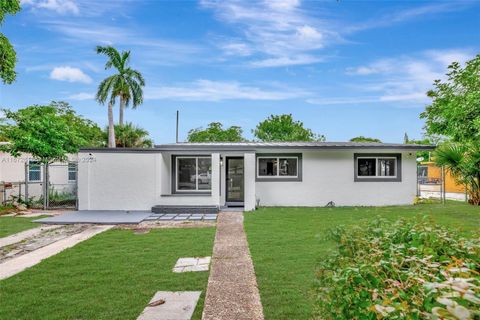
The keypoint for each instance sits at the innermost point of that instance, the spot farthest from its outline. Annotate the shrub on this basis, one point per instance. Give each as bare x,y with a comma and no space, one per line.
401,270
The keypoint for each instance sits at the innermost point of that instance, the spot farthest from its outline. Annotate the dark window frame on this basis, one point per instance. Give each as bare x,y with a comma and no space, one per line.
279,156
397,178
173,166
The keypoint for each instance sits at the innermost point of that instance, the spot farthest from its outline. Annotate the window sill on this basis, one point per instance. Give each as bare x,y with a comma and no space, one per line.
393,179
187,195
282,179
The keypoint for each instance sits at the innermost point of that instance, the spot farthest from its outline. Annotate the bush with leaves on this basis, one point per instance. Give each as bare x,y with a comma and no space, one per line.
404,270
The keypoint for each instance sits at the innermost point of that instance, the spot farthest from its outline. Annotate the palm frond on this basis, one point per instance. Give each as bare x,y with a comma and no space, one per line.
136,93
112,54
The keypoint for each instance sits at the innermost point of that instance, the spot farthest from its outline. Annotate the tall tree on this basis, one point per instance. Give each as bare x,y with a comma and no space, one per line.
8,56
455,109
130,136
127,83
364,139
216,133
284,128
47,132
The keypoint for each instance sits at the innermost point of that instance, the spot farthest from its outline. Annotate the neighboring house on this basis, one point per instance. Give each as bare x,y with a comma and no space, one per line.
430,183
249,174
15,171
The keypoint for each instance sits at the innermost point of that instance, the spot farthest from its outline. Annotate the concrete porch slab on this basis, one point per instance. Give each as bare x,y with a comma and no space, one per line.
177,306
98,217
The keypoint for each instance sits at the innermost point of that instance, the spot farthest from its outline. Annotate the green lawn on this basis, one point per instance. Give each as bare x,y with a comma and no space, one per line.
11,225
287,243
111,276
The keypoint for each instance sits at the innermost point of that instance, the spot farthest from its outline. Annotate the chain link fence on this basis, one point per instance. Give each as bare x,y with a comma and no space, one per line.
436,183
51,186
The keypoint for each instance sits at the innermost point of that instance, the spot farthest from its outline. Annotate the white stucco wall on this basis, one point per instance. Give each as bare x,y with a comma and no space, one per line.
134,181
329,176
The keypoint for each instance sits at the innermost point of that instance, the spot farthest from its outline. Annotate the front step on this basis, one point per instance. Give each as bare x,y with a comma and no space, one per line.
185,209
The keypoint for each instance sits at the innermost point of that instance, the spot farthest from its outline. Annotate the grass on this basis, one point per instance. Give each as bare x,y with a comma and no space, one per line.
11,225
111,276
287,243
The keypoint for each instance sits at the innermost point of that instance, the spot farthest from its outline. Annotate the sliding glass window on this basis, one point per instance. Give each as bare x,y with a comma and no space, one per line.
193,174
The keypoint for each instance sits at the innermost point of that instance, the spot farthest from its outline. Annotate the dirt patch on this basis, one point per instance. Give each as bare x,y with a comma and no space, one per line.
43,239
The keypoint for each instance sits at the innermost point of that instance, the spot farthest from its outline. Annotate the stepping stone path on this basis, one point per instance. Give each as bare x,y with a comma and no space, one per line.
168,305
232,292
192,264
181,217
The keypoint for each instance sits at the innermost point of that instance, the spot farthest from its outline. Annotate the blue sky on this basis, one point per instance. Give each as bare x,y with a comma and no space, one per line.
344,68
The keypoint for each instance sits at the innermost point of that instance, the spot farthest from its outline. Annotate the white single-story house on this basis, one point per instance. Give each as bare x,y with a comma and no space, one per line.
248,174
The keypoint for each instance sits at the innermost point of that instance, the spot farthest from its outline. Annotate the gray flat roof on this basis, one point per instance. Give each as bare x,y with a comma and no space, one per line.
252,146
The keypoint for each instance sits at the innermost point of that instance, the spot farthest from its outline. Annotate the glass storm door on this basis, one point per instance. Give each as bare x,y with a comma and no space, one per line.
234,183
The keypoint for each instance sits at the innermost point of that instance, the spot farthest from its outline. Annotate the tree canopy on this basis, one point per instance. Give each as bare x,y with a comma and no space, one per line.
8,56
284,128
455,110
364,139
130,136
216,133
126,84
47,132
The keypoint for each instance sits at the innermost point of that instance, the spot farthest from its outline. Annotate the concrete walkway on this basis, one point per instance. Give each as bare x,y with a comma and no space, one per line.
18,264
17,237
232,291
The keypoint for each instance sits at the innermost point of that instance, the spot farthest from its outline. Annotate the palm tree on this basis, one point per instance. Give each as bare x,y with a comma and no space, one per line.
131,136
463,162
126,84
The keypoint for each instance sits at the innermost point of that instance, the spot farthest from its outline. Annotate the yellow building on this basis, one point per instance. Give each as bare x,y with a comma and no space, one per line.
429,173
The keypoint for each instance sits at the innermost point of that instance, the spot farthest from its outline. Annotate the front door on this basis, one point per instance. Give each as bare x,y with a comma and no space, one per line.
235,181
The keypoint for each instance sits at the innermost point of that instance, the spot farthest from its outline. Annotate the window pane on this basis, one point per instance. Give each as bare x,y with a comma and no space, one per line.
34,171
267,166
186,174
204,173
72,171
366,167
386,167
288,167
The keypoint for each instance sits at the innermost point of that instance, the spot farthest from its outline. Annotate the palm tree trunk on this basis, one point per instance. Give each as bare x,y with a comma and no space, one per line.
122,108
111,127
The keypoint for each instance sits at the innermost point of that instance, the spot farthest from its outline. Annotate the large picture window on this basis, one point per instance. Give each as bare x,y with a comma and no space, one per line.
278,167
193,173
382,167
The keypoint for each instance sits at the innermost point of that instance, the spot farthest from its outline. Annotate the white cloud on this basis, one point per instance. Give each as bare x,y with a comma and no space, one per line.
411,13
207,90
59,6
280,31
69,74
81,96
402,80
285,61
236,49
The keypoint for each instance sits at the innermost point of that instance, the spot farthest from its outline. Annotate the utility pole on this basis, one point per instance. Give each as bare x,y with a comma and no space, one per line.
176,133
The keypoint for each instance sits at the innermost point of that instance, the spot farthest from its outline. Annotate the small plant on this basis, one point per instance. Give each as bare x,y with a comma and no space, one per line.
402,270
